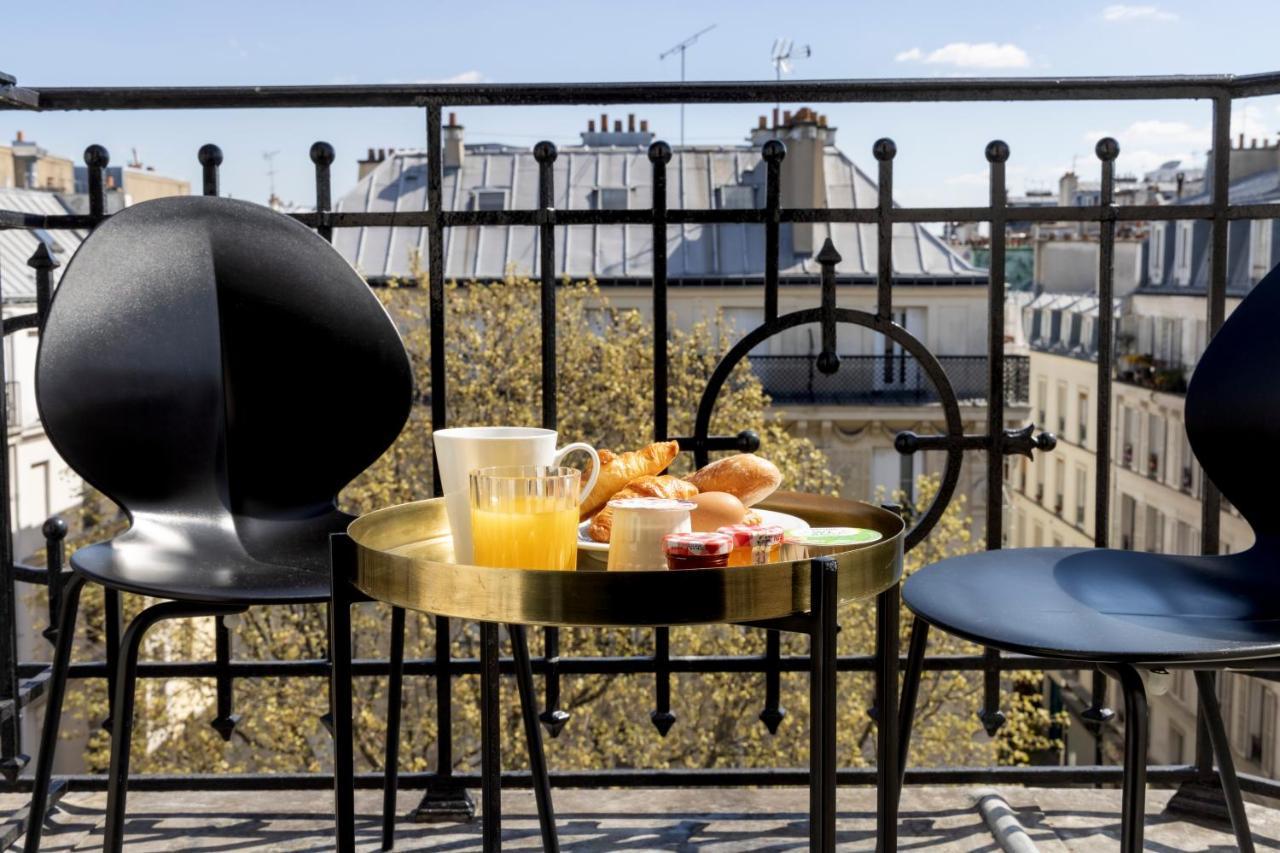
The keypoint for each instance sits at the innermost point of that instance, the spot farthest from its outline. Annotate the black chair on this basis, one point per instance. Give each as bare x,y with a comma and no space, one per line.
1125,611
220,372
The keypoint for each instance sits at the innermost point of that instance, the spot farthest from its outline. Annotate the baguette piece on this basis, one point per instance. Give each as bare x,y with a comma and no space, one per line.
648,486
746,476
619,469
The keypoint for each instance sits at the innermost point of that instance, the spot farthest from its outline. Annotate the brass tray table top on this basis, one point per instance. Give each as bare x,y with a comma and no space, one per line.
405,558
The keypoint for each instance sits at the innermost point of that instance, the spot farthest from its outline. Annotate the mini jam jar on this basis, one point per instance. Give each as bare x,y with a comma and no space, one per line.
697,550
754,546
638,527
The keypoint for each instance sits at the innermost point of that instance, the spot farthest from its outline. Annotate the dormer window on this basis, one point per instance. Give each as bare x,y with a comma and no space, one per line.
610,198
1182,249
489,199
1155,263
1260,260
736,197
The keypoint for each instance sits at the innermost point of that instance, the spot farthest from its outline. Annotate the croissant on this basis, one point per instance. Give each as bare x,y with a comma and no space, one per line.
619,469
648,486
746,476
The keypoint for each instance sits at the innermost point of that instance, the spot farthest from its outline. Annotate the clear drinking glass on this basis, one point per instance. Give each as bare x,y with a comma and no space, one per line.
525,517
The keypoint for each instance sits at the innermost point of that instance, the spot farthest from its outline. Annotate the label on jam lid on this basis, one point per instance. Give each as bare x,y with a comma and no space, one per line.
753,536
655,504
697,544
832,536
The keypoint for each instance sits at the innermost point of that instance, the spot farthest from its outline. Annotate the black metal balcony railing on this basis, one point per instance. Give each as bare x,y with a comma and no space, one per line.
884,380
995,443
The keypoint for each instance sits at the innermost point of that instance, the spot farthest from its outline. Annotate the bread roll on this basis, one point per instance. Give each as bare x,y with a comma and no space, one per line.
746,476
648,486
619,469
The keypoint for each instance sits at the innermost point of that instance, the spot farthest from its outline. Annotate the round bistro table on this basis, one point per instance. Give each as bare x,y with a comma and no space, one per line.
403,555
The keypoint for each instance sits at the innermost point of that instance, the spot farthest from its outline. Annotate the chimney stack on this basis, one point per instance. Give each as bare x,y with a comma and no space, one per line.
804,172
617,135
454,149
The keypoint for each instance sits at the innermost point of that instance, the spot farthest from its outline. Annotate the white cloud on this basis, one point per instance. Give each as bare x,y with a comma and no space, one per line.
1121,12
1160,135
962,54
471,76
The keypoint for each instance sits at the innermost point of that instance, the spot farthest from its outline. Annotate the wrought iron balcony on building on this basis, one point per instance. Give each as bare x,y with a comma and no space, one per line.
997,379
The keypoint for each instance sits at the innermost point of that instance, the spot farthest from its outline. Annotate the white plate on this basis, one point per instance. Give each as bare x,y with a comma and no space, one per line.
767,516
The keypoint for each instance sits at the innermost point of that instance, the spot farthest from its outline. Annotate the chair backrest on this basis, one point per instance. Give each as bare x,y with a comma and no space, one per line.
211,359
1233,407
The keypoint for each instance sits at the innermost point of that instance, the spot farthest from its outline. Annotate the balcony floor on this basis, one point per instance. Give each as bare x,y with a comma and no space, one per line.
934,818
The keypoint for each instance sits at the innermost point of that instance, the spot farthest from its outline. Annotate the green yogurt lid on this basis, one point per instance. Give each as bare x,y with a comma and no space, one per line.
832,536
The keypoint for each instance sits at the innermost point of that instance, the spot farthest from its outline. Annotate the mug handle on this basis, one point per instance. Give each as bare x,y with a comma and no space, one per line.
595,465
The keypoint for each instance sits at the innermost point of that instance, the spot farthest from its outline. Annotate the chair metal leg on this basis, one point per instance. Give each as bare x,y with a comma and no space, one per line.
1133,796
122,716
888,742
490,740
111,633
1226,766
391,762
342,561
53,710
824,596
916,648
533,738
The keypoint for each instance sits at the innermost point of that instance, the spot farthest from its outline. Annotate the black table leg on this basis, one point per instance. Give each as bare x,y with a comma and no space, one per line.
490,739
888,774
1134,787
533,737
824,596
391,762
341,554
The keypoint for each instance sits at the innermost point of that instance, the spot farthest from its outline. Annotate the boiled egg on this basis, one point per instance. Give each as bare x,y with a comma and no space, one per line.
715,510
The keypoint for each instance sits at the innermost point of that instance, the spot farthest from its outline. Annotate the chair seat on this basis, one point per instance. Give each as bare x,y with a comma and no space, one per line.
1105,605
226,561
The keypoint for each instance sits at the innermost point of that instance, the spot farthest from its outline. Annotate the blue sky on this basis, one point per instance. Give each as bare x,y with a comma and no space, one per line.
940,147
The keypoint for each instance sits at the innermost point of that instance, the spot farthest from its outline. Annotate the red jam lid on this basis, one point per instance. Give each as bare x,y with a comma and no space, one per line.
697,544
753,536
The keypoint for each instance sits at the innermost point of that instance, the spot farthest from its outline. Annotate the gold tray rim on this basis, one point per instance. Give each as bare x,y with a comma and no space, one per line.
595,598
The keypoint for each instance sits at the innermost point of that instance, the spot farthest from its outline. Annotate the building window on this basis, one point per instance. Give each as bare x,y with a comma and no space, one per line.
1082,418
736,197
1260,231
1040,478
1155,263
1128,521
1155,531
1042,399
1155,447
1062,409
1059,485
1082,491
610,198
489,199
1182,252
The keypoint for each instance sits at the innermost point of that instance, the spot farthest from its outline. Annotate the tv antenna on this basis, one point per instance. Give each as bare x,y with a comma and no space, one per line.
784,53
270,157
682,47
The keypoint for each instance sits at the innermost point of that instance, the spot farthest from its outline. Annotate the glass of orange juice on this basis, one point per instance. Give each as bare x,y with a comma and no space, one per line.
525,517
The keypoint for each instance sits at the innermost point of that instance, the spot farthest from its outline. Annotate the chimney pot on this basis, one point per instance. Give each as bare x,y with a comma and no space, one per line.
822,121
1253,143
644,125
453,119
775,117
604,122
591,125
617,125
762,123
786,118
1241,140
631,122
21,137
370,157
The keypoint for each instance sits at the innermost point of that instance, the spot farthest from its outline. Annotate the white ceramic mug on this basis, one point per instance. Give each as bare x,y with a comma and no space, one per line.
461,450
